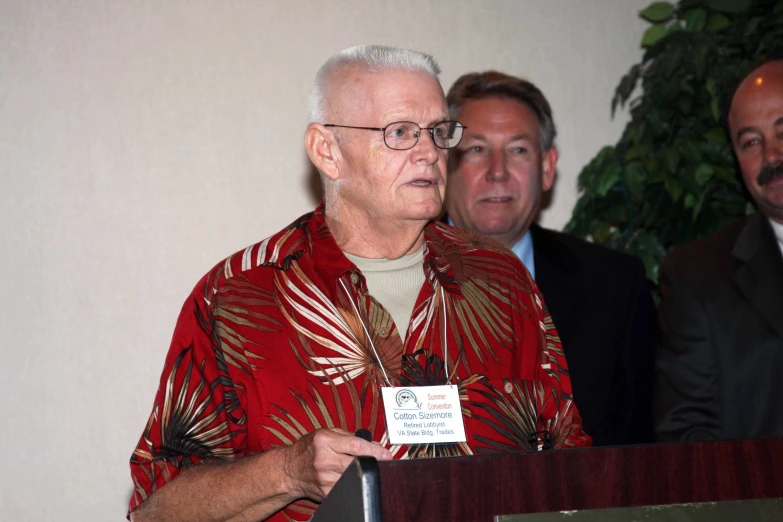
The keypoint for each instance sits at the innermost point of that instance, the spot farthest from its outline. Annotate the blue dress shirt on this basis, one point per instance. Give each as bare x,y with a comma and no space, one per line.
523,250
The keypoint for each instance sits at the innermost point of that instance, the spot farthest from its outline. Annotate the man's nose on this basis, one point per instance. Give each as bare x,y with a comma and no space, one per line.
773,151
425,149
497,167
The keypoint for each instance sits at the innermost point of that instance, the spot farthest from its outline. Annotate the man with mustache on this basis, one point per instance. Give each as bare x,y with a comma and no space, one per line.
599,299
720,365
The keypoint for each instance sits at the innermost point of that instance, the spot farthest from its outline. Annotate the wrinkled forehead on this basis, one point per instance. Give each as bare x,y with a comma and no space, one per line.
357,92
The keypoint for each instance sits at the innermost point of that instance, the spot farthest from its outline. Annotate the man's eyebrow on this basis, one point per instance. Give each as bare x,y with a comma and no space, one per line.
440,119
750,130
516,137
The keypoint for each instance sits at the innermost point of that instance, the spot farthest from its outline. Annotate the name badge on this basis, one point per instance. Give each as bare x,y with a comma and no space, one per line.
423,415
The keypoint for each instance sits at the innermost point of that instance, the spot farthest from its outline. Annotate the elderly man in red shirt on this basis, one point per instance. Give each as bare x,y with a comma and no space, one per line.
363,314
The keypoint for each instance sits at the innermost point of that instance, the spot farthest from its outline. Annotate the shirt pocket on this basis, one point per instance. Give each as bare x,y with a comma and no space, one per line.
504,416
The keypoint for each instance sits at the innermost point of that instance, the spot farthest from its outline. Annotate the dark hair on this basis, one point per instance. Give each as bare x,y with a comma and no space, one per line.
494,84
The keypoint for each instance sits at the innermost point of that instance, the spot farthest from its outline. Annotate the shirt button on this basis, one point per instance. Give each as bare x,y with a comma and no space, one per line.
354,278
509,387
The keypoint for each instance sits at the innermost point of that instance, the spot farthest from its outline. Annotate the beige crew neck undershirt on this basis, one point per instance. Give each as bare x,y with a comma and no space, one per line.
395,283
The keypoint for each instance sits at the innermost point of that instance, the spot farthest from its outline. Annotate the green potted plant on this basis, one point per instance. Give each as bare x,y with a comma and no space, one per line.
672,176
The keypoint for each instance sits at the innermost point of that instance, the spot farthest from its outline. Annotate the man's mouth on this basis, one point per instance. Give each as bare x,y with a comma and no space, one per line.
422,183
770,172
497,199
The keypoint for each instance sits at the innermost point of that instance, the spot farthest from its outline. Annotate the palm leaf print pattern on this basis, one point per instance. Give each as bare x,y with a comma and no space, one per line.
187,424
281,339
480,297
424,369
516,415
237,304
316,408
337,328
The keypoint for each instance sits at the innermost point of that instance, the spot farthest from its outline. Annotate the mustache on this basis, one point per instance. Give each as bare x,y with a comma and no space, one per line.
770,172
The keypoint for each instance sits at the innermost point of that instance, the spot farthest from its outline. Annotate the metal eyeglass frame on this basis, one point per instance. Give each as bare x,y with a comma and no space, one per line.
417,135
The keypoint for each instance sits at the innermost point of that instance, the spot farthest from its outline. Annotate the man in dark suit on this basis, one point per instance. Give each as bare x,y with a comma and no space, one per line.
599,299
720,366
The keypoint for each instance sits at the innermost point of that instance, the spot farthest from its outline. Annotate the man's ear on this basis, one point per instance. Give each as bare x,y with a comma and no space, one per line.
323,150
549,167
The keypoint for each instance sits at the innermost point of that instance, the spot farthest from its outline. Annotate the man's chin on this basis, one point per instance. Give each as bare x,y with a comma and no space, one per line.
425,210
772,206
494,228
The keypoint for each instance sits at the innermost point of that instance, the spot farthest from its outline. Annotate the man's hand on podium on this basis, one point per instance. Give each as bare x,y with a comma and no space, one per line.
316,461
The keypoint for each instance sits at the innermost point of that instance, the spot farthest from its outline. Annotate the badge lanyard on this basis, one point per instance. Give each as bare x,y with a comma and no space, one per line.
421,414
369,338
375,352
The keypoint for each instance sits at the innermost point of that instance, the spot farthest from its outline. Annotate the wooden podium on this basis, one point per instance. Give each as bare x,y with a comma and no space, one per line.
479,488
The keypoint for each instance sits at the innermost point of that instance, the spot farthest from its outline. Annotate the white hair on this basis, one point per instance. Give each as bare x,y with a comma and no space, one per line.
370,58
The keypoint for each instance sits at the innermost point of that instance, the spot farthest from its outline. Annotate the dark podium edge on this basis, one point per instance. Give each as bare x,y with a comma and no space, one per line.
474,487
344,504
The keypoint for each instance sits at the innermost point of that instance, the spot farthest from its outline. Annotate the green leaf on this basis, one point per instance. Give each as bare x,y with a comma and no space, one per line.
753,25
634,180
674,188
703,173
651,266
673,28
653,166
690,151
699,205
714,102
710,86
695,19
601,232
653,34
729,6
690,201
672,158
639,151
717,21
716,135
626,87
657,12
607,181
685,104
726,175
616,214
650,244
715,108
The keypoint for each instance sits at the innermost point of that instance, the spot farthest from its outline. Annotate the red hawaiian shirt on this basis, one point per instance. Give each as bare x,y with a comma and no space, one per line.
269,347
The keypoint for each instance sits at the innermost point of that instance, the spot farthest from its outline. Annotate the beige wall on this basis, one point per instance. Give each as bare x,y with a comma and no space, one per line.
142,141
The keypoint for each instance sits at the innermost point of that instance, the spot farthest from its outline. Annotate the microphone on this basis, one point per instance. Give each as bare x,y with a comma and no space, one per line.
364,434
545,437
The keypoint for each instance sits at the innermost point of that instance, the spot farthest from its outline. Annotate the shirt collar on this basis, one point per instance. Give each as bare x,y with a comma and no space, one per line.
330,262
778,229
524,251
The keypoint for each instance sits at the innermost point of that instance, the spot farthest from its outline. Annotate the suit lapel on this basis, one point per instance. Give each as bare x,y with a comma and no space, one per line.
760,274
556,276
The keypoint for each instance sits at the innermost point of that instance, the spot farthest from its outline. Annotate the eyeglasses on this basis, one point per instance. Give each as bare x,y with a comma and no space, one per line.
403,135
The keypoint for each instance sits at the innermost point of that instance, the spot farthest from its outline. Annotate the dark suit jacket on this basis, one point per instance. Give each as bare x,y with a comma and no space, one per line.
720,365
601,305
